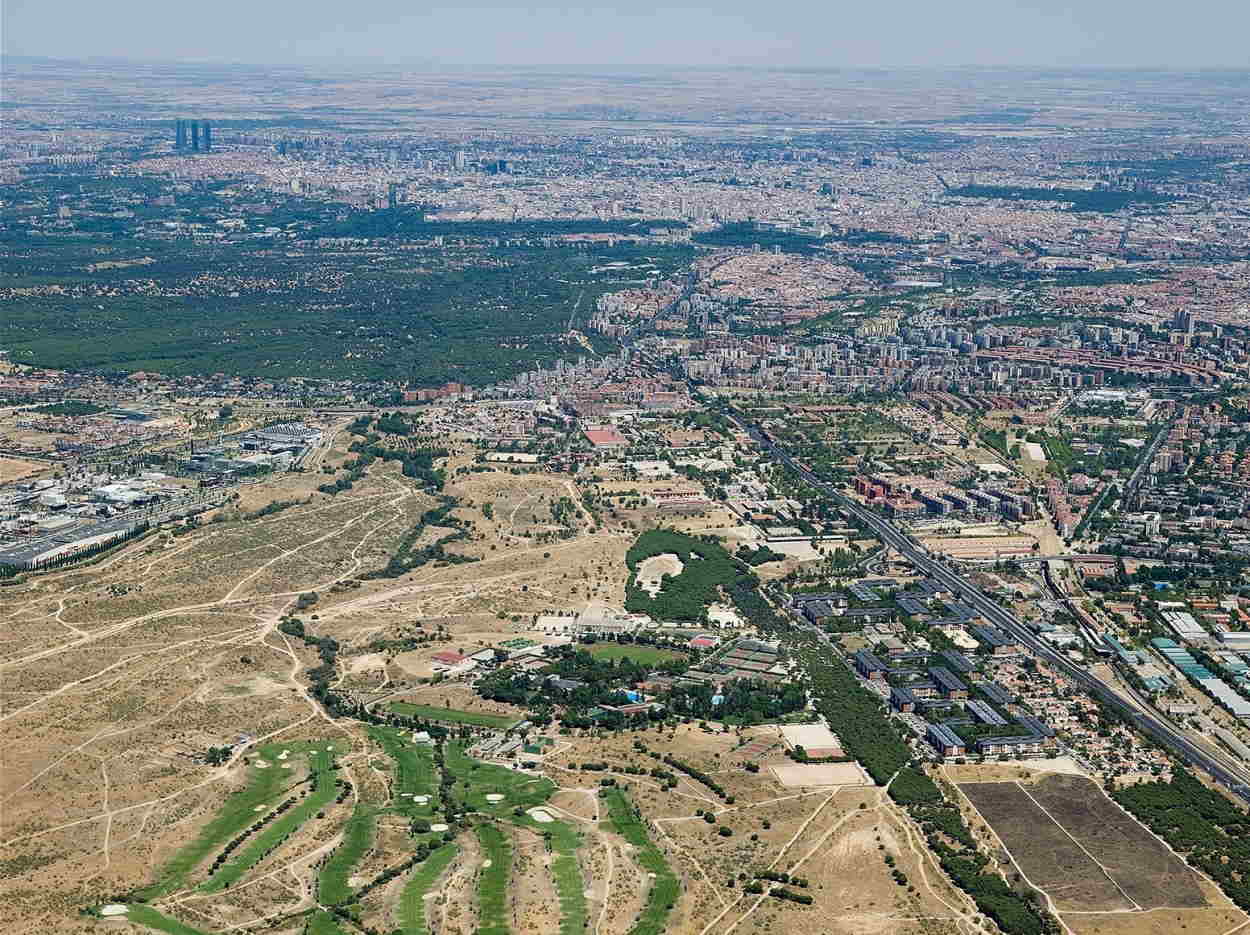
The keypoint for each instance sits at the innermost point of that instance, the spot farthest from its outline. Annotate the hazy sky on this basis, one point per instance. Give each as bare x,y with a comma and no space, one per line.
827,33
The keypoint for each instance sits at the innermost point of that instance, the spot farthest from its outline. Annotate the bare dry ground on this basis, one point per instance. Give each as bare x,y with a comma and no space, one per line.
12,469
116,677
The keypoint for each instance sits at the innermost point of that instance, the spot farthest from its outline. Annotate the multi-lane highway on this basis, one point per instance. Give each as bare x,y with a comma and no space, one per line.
1162,732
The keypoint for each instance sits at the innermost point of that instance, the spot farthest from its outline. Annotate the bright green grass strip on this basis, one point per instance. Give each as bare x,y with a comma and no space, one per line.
332,887
264,787
412,906
644,655
322,923
273,834
415,773
570,887
146,915
475,780
492,886
664,888
452,715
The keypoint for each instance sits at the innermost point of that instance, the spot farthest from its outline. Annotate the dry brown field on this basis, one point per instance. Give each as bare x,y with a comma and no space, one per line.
115,678
1101,871
15,469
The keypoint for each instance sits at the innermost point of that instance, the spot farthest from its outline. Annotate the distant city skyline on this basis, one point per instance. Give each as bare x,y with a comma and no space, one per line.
802,33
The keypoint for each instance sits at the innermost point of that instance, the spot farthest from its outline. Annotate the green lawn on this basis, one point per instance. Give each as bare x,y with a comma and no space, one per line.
493,882
475,780
644,655
664,888
322,923
412,906
273,834
264,787
146,915
332,885
452,715
414,765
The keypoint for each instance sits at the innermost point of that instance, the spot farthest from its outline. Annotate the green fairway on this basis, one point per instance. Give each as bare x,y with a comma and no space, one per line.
322,923
414,766
452,715
664,888
644,655
277,831
146,915
332,885
476,780
412,907
493,882
264,787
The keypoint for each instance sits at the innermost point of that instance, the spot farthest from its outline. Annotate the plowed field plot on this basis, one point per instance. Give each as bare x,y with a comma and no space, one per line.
1145,869
1081,848
1043,851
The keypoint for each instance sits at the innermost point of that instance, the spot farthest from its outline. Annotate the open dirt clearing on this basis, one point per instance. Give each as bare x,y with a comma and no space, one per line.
793,775
651,571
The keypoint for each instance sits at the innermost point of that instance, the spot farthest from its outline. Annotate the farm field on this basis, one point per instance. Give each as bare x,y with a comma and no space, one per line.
1146,870
1043,850
1087,855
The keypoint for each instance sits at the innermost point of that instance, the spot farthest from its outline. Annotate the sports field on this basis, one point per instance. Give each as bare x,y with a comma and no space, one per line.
644,655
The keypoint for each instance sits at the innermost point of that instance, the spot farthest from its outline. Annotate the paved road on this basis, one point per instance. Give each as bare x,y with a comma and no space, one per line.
920,558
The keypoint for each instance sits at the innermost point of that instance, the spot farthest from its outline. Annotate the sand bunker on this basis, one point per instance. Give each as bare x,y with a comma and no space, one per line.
494,797
261,764
438,827
541,815
114,909
485,864
260,808
420,799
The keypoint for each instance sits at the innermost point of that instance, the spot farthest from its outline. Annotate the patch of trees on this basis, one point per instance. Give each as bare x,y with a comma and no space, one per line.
1210,832
406,557
1080,199
752,701
759,556
1011,912
417,464
269,509
693,773
70,407
780,892
780,876
854,714
707,568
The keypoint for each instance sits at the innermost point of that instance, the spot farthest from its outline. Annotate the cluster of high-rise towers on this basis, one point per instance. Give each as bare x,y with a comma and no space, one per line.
194,136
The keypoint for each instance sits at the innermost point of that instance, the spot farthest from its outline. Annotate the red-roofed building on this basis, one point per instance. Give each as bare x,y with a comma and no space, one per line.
606,437
448,657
